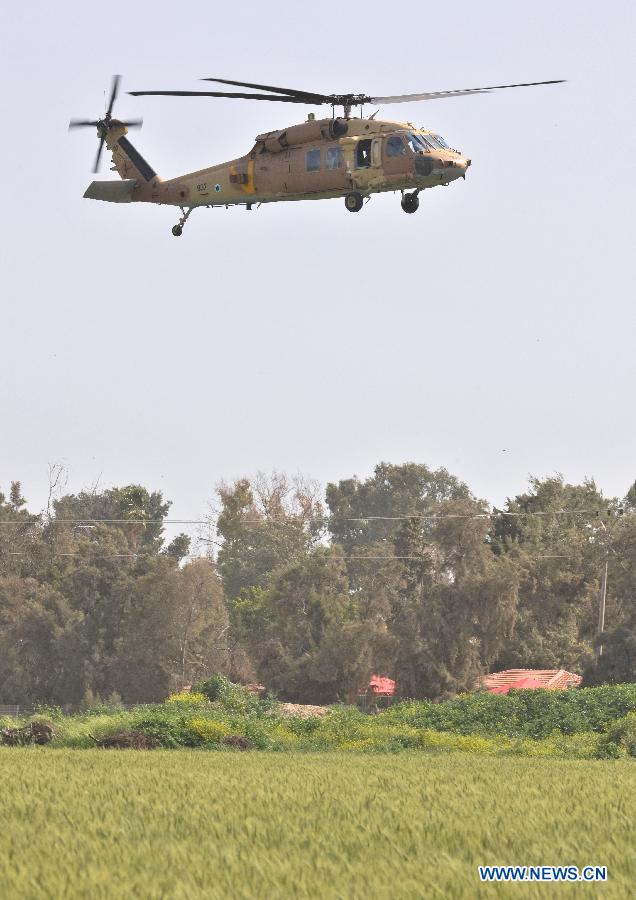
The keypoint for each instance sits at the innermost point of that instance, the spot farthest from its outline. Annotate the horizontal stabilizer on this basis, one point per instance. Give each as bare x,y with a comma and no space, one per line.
113,191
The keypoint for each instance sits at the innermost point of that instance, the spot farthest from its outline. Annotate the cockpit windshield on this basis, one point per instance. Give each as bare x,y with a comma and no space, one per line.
413,141
436,140
424,143
417,143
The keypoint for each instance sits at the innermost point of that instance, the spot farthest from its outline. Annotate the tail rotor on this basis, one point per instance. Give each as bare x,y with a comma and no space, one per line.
104,124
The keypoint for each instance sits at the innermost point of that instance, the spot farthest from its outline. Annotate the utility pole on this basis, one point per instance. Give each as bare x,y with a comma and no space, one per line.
601,607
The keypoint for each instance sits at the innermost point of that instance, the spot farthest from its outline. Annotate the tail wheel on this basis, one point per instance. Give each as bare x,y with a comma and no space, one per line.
354,201
410,203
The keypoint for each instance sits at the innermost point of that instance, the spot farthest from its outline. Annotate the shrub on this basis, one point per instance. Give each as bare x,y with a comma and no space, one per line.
435,740
209,731
575,724
358,744
188,698
620,740
303,727
395,737
215,687
535,714
169,731
231,696
283,738
257,731
129,740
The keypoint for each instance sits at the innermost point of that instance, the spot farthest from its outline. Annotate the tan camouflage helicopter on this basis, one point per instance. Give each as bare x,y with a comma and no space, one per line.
341,156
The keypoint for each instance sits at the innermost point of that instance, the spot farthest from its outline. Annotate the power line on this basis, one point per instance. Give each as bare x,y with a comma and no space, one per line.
90,557
592,513
57,521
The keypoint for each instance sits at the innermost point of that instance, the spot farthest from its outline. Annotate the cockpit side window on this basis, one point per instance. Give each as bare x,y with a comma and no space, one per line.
363,154
395,146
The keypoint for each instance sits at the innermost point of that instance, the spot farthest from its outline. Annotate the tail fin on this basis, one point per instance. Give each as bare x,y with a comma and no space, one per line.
140,181
127,160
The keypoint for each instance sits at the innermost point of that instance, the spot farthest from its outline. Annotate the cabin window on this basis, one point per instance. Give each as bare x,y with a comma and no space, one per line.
363,154
395,146
333,158
312,160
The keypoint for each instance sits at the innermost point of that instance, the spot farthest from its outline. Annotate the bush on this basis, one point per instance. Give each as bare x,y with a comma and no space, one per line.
620,740
230,696
216,687
580,724
283,738
188,698
169,726
209,731
535,714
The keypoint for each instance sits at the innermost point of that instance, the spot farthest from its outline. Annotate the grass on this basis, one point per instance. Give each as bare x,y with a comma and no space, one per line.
185,824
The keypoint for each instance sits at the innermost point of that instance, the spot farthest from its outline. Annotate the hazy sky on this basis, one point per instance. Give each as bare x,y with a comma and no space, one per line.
498,318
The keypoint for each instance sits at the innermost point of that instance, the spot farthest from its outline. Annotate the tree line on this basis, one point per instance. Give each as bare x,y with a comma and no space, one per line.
405,573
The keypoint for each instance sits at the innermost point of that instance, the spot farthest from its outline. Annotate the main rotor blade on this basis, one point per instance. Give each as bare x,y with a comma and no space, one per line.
113,93
81,123
310,99
268,87
463,92
99,153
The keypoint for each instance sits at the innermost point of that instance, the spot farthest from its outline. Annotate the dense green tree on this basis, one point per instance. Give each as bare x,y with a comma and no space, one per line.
33,621
617,662
556,533
19,533
316,647
457,605
433,592
264,525
169,632
178,548
200,623
133,510
392,491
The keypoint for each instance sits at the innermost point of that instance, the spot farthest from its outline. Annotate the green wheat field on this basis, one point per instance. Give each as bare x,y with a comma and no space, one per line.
189,824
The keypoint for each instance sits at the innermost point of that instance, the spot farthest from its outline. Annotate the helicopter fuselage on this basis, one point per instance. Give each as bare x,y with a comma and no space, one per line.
317,159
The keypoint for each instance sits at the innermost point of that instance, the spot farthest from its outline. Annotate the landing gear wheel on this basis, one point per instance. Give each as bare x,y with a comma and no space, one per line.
410,203
354,201
177,229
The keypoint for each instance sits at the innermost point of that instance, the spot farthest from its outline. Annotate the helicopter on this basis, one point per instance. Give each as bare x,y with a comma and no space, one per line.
341,156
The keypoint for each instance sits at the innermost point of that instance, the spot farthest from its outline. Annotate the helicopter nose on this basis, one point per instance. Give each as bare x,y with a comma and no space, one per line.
461,164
